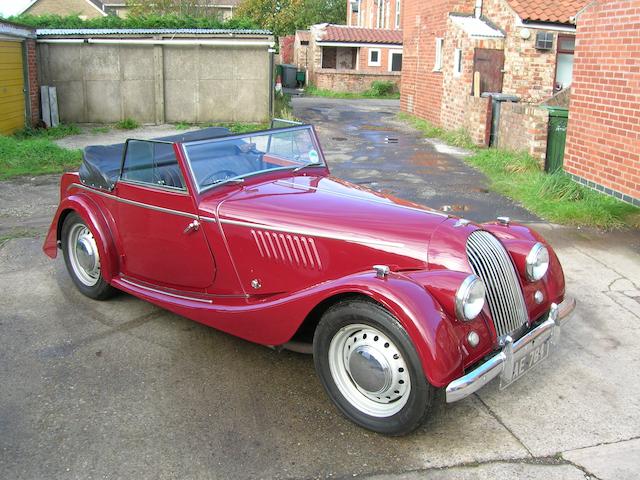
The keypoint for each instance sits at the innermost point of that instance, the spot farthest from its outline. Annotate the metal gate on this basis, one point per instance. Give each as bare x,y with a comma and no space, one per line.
556,138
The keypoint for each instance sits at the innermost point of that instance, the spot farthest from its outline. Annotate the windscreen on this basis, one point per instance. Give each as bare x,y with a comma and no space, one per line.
229,159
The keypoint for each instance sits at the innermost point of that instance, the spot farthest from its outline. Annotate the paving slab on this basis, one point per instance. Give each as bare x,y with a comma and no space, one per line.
616,461
521,471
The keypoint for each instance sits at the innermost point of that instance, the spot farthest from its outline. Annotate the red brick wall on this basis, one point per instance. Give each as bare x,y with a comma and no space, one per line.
368,14
603,138
523,127
422,23
353,82
34,85
286,49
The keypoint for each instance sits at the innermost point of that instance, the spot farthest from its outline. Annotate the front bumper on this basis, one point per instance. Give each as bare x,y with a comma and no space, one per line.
502,362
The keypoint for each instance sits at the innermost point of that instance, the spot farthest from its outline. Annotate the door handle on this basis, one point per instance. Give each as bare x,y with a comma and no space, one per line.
193,226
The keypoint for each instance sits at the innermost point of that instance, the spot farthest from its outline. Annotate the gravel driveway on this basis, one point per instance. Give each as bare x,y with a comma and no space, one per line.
124,389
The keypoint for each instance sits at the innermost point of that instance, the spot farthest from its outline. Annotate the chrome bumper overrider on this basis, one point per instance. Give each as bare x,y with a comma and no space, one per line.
502,363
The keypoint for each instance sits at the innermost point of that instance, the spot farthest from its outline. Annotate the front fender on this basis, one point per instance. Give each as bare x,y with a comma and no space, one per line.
424,319
91,213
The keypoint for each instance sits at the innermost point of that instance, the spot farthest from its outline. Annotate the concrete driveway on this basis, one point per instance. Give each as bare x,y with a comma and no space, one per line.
123,389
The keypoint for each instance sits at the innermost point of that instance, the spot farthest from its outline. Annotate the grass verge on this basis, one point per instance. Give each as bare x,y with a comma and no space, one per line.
554,197
313,91
34,156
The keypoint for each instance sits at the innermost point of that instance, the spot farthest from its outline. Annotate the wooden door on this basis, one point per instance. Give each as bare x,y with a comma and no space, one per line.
489,63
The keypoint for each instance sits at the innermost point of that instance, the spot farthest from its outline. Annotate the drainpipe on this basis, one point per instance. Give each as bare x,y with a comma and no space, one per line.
478,9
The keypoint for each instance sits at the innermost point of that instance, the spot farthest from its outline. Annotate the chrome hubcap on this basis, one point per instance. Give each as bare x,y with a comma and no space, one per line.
83,255
369,370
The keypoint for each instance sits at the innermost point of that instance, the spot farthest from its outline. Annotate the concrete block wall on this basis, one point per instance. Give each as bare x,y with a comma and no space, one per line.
603,137
524,127
156,84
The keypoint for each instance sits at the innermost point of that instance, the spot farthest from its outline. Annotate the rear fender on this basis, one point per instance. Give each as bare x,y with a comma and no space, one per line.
93,217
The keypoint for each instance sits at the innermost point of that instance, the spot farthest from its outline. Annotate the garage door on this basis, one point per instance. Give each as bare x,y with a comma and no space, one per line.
11,87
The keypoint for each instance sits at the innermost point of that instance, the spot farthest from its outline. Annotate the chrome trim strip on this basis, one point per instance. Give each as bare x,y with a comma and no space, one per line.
133,202
311,233
346,195
513,351
162,292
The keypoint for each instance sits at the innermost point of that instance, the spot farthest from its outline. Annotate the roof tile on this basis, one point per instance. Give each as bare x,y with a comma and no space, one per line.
341,33
553,11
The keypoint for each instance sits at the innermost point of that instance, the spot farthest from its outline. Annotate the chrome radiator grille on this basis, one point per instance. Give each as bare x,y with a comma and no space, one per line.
491,262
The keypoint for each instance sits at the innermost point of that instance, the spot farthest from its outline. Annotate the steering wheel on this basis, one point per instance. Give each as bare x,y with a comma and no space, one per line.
217,176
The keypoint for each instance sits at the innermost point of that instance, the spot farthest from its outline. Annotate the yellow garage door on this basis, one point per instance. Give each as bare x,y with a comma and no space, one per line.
11,87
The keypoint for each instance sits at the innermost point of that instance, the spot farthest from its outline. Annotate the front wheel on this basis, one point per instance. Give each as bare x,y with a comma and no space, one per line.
370,369
82,258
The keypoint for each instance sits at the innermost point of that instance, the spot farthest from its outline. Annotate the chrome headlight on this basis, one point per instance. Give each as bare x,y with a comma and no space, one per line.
470,298
537,262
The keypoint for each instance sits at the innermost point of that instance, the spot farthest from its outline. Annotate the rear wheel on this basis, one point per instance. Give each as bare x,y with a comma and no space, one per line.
82,258
370,369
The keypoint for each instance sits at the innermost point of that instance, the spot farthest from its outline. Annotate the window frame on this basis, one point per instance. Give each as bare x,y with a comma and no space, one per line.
374,64
437,67
397,23
457,62
159,186
393,52
562,51
194,178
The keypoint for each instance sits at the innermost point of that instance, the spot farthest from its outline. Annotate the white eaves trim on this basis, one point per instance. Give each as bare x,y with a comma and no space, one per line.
476,27
354,44
545,26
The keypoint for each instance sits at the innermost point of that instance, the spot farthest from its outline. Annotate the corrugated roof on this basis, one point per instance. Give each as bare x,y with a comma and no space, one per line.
344,34
554,11
44,32
475,27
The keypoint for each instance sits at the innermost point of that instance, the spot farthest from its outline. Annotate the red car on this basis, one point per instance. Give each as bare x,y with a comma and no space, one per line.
251,235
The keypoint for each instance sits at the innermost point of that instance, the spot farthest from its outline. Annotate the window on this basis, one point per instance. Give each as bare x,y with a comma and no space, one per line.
374,57
544,40
438,63
564,61
457,62
329,57
153,163
397,14
395,61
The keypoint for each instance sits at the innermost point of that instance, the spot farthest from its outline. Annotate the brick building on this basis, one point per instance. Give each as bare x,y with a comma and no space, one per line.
603,138
374,14
454,50
349,59
19,89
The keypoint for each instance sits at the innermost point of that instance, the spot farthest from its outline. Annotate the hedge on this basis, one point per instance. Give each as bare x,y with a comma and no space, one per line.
143,21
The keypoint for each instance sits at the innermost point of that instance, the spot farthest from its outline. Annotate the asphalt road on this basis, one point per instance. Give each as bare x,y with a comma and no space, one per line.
123,389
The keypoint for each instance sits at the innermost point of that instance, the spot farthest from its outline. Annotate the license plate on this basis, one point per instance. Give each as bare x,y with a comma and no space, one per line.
536,354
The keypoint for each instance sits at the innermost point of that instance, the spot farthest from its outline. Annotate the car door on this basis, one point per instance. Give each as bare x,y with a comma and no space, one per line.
159,229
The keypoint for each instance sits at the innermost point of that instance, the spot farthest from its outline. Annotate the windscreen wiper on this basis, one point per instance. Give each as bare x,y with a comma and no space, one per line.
224,181
306,165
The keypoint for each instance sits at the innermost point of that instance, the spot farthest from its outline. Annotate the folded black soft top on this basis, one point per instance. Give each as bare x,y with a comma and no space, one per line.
101,163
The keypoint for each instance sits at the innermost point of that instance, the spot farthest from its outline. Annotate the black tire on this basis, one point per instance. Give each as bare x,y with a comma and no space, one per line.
100,290
336,323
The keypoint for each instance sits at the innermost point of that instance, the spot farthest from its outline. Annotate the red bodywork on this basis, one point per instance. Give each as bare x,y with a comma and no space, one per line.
304,240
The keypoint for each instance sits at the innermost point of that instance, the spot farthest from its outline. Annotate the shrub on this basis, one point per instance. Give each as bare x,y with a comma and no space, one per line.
381,88
127,124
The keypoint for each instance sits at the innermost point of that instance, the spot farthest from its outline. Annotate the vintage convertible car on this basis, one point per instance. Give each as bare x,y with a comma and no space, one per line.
251,235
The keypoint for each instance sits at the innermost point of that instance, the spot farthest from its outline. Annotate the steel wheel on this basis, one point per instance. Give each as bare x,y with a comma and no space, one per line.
83,254
369,370
82,258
